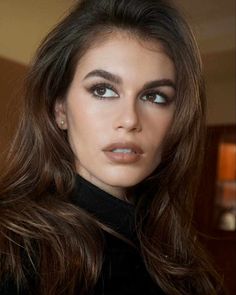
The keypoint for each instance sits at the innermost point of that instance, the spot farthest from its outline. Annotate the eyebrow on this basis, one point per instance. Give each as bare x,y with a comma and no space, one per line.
117,80
106,75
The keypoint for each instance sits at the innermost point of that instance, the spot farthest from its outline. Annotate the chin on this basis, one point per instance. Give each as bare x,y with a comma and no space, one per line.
124,180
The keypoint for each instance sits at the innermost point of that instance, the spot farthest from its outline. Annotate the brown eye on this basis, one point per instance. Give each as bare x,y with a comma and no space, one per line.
156,98
151,97
103,91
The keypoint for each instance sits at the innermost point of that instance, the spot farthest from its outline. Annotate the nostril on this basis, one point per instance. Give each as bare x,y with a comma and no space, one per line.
128,120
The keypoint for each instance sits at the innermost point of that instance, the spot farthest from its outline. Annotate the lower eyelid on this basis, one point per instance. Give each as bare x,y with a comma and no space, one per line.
162,96
93,88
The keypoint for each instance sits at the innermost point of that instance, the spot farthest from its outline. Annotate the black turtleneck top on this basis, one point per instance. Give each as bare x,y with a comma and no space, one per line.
123,271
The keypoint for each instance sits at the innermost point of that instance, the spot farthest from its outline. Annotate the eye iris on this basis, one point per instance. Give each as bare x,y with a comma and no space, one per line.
101,90
151,97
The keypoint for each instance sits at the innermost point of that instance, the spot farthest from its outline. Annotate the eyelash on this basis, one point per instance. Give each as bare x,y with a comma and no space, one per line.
95,87
106,86
166,99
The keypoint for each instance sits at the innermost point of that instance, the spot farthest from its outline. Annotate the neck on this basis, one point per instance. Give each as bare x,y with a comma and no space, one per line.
115,191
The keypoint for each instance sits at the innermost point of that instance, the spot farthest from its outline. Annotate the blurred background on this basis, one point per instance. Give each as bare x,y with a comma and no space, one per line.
24,23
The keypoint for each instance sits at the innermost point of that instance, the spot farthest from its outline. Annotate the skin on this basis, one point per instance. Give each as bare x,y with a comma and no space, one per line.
96,116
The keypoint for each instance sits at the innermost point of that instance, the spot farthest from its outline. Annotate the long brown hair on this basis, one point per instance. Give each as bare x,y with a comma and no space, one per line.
36,215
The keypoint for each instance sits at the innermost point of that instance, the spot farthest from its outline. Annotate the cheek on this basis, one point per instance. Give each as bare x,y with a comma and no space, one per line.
83,129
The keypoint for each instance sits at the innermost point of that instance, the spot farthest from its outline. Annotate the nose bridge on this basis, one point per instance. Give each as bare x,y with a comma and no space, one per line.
128,116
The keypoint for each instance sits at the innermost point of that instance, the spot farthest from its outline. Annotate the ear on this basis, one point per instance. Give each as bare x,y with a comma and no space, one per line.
60,114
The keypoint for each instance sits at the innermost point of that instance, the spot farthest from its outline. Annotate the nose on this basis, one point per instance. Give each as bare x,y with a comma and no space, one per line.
128,116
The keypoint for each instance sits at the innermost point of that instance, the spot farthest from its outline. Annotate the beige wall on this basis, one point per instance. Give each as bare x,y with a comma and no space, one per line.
24,23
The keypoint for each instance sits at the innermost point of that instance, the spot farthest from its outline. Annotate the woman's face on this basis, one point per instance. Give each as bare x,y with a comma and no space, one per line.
118,110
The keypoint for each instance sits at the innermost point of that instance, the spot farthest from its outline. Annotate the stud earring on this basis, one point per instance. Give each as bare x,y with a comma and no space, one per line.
62,123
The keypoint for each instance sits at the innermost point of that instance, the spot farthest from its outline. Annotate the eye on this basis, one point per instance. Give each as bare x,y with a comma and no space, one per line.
103,91
155,97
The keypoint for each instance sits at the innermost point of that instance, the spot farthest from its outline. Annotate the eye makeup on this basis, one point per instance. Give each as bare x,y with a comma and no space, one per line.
156,97
104,90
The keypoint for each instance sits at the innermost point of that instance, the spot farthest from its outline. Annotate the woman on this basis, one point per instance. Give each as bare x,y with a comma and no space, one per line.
96,194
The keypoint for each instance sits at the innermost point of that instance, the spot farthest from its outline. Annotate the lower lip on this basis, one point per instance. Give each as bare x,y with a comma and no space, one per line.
122,158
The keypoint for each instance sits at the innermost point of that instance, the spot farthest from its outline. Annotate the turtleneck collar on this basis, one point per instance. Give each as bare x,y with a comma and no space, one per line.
113,212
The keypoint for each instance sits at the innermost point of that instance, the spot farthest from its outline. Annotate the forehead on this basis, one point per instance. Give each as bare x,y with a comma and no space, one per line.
126,55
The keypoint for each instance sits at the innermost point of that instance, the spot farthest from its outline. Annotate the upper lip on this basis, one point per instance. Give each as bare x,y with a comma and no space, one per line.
124,145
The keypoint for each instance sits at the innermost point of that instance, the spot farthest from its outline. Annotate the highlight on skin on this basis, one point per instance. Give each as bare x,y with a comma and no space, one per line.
36,215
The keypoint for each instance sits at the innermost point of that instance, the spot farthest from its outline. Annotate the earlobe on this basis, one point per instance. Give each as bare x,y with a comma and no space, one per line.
60,115
62,125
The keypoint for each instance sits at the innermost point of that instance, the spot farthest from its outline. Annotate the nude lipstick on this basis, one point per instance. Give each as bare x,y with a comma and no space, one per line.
123,153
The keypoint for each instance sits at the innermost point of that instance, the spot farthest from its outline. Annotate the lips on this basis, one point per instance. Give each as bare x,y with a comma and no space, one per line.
124,146
123,153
